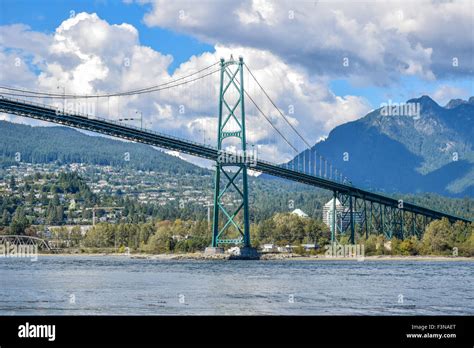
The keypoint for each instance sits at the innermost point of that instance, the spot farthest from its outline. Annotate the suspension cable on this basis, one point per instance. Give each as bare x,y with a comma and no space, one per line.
269,121
276,107
281,114
150,89
267,118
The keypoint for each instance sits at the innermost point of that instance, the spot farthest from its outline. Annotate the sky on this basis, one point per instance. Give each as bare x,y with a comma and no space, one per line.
324,63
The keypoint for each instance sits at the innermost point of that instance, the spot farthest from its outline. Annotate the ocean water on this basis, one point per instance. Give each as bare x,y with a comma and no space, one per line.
102,285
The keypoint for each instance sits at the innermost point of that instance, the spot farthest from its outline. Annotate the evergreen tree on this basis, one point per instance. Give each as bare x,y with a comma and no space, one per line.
19,222
5,217
12,183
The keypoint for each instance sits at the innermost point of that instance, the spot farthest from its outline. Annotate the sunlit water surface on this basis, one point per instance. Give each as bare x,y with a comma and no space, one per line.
56,285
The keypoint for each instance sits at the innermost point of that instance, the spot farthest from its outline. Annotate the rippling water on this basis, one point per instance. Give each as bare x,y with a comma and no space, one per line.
56,285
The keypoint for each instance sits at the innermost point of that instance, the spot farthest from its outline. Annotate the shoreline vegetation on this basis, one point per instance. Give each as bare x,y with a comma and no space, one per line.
284,236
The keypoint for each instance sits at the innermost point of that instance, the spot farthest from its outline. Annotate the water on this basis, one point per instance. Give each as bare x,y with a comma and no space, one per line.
85,285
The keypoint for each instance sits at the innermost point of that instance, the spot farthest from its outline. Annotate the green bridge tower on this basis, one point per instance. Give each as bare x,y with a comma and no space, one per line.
231,223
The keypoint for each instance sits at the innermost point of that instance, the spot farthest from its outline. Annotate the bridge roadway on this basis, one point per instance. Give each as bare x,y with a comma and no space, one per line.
52,114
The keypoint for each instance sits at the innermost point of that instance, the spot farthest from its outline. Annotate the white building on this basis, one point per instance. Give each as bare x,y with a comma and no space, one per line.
343,215
268,248
300,213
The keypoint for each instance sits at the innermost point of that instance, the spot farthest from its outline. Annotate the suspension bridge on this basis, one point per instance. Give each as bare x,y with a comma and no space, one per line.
365,211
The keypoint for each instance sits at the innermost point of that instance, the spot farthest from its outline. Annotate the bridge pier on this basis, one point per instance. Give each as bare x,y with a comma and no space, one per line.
246,253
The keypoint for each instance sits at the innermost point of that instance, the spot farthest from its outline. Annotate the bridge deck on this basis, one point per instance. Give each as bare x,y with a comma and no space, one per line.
116,129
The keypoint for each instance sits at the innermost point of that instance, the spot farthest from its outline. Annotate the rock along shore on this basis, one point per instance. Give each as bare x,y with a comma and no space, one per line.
267,256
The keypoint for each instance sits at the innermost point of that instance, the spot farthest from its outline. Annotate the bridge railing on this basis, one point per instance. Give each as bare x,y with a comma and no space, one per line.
94,117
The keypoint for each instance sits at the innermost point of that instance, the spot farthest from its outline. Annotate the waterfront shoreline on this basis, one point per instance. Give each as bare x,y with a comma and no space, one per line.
267,257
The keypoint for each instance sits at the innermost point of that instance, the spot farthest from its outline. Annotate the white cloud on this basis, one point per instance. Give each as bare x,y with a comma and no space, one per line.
382,40
445,93
87,55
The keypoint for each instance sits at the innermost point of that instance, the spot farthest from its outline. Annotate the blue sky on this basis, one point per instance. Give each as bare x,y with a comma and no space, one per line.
46,18
408,88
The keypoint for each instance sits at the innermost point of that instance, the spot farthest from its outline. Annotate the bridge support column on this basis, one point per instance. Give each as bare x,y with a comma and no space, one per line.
402,228
366,225
414,217
231,169
334,218
382,222
351,211
371,225
390,216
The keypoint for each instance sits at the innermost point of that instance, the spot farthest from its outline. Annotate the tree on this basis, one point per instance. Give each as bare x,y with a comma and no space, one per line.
59,216
160,243
395,246
50,214
5,217
12,183
75,236
410,246
265,230
439,238
100,236
467,248
289,227
299,250
374,245
317,232
371,244
19,222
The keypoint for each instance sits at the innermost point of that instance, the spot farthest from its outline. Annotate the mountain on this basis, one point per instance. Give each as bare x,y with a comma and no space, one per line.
456,102
65,145
428,150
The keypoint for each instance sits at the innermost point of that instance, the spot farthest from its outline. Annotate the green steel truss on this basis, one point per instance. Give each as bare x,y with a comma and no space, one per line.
362,217
231,224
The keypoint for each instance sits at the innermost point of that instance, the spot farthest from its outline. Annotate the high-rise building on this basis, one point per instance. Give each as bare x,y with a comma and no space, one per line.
343,215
